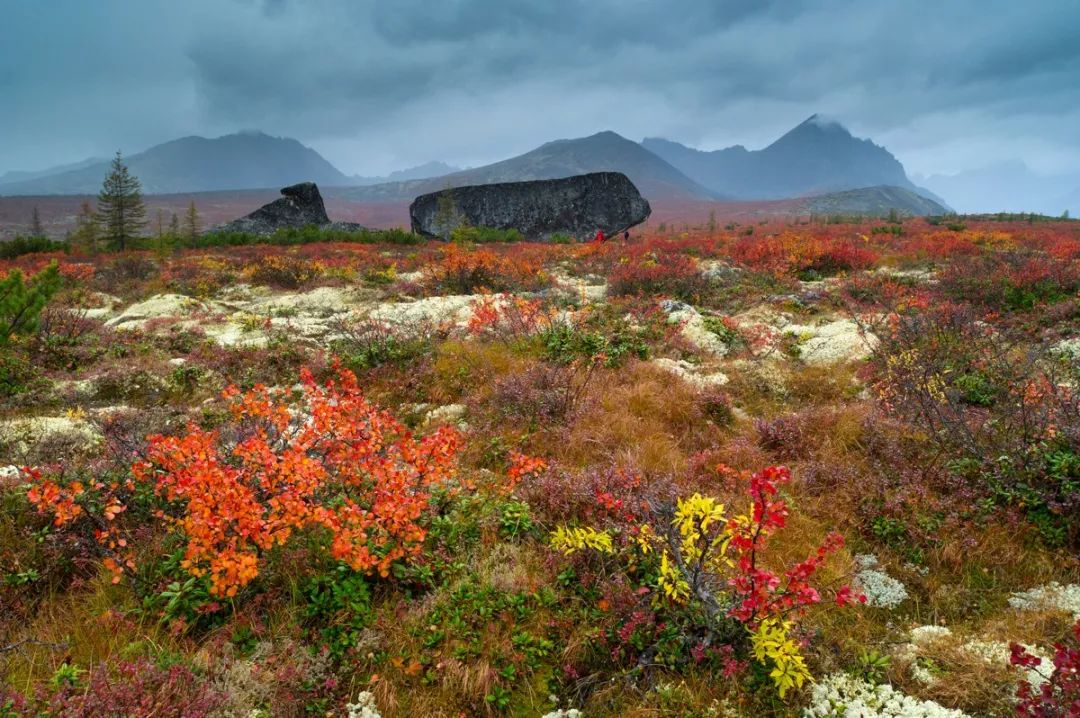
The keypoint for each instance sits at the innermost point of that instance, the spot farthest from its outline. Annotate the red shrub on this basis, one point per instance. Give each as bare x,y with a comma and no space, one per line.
657,273
1059,696
135,688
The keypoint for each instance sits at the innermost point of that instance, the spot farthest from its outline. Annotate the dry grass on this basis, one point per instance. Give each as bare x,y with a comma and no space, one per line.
759,388
964,678
1033,627
84,627
465,368
636,416
644,419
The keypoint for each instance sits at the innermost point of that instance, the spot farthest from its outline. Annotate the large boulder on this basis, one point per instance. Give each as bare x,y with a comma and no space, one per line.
575,206
299,206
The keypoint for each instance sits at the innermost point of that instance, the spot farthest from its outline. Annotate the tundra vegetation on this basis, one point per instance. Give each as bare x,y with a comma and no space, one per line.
781,469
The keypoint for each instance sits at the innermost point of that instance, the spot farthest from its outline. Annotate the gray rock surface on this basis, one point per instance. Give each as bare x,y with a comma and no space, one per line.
299,206
576,206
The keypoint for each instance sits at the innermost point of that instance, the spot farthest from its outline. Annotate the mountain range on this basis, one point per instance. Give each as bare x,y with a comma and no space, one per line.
604,151
424,171
17,176
245,160
818,156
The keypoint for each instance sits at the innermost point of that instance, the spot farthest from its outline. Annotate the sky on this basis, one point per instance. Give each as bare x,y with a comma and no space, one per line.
379,85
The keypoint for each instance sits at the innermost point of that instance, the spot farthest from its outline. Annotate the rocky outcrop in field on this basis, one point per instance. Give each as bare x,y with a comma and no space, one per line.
300,205
575,206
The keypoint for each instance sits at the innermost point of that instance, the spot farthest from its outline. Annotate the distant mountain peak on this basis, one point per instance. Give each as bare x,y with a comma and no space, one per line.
604,137
819,155
605,151
249,159
817,128
824,122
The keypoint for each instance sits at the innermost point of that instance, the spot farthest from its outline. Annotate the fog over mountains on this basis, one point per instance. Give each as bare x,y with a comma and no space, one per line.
818,156
602,152
424,171
245,160
1008,187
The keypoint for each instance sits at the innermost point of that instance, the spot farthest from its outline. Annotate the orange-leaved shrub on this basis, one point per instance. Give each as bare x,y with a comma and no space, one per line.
810,257
463,270
334,461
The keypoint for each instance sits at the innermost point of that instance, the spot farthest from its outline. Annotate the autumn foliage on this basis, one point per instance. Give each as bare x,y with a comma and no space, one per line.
718,564
1059,694
280,546
334,462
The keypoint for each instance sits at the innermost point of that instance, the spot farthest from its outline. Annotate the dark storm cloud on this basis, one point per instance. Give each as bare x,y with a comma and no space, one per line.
378,84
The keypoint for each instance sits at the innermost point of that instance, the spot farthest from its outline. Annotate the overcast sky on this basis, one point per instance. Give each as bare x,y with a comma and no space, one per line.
377,85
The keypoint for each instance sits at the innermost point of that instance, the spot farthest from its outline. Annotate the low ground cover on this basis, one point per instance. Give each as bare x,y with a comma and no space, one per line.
809,469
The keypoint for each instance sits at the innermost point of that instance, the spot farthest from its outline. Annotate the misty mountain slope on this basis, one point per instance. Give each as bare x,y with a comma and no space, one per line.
23,176
604,151
874,201
816,156
246,160
424,171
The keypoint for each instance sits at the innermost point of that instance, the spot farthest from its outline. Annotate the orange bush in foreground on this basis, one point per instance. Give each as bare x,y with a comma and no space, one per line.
336,462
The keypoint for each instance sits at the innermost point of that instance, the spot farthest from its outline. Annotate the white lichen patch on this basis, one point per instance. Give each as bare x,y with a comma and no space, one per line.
693,327
1052,596
696,376
364,707
881,589
842,696
997,652
835,342
918,653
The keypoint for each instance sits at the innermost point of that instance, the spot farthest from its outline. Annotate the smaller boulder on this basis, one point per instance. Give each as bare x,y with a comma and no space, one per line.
836,342
446,414
299,206
695,328
156,307
695,376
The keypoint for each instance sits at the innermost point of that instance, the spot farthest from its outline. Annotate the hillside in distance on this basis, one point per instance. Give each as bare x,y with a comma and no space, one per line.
424,171
245,160
24,176
602,152
817,156
876,201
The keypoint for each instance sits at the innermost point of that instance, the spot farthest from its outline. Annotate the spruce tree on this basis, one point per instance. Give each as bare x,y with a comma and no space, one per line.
87,230
447,217
36,230
120,205
174,225
192,223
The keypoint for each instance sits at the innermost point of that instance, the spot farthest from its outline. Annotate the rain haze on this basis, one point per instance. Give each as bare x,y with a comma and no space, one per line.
379,85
